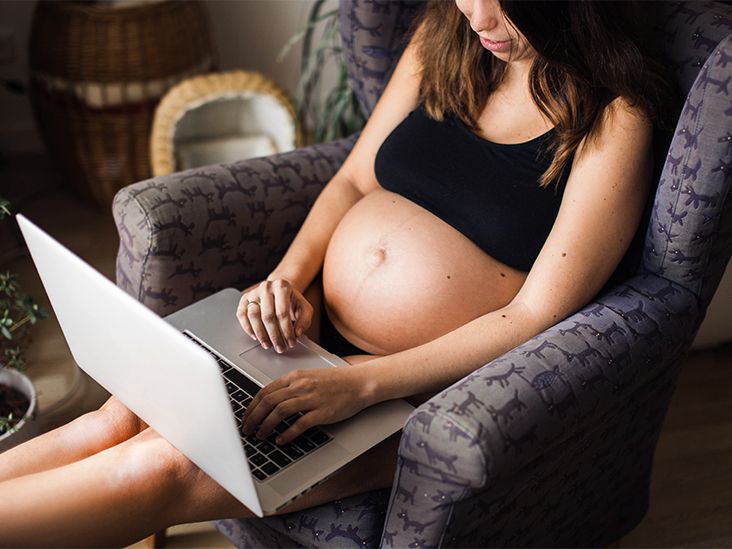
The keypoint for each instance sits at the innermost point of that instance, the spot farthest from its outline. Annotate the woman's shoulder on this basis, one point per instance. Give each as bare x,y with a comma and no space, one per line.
620,121
621,114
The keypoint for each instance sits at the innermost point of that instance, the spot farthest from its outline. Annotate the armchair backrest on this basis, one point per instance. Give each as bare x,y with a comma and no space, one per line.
689,236
374,35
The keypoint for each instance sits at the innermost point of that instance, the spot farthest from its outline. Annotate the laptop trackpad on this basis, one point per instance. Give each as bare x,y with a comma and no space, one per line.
275,365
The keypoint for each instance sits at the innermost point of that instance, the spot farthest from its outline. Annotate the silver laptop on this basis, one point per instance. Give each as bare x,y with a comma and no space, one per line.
191,375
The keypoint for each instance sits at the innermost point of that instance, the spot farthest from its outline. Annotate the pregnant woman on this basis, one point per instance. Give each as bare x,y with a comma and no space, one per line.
496,189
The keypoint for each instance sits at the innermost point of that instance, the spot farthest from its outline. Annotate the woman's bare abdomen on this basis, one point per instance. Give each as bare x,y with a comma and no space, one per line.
396,276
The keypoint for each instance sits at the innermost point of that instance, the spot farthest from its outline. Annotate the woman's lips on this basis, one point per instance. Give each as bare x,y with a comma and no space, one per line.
501,46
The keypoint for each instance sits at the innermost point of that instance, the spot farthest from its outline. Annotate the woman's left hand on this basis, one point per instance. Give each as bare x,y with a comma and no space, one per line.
323,395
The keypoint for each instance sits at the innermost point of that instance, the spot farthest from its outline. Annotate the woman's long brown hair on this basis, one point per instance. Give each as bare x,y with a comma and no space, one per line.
588,54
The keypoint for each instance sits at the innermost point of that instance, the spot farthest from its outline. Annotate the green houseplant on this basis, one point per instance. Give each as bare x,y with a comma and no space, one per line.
338,114
18,312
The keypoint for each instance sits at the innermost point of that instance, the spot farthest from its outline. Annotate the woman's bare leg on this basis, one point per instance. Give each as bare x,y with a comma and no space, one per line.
143,485
115,497
78,439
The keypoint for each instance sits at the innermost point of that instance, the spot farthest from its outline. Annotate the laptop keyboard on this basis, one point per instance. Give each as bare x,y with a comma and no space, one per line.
265,457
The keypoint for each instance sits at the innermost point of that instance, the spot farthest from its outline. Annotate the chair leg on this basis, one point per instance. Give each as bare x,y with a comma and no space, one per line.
157,540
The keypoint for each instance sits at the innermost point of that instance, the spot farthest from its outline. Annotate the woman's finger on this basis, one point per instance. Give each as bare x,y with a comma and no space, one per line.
283,306
254,316
241,315
274,385
258,410
304,316
305,422
284,409
270,321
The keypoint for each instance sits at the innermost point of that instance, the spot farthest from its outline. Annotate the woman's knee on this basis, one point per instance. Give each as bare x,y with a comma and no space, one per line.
102,428
153,453
174,484
148,467
115,420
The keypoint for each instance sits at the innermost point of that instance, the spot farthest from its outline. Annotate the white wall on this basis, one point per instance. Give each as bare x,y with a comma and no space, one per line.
248,34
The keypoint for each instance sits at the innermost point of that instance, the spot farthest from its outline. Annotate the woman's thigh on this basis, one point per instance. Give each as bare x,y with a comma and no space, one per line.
111,498
86,435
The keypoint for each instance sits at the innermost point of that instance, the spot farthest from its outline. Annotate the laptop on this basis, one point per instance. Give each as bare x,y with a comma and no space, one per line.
191,375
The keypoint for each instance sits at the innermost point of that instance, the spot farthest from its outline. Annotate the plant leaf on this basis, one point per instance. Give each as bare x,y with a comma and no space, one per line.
324,117
315,15
305,32
4,208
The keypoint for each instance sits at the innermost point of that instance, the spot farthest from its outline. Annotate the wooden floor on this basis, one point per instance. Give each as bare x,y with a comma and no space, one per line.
691,491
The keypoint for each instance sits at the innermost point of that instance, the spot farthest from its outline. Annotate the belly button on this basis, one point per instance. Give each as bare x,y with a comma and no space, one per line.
377,257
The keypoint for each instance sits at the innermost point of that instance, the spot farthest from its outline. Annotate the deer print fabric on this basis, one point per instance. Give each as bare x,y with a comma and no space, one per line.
186,235
374,34
502,436
688,238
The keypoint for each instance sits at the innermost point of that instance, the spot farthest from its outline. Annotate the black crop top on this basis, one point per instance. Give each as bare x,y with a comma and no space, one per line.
488,191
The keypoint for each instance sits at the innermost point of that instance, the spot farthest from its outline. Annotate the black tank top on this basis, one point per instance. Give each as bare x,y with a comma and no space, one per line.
487,191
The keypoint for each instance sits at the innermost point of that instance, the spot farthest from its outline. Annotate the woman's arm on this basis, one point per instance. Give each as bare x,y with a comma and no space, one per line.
354,179
602,206
275,311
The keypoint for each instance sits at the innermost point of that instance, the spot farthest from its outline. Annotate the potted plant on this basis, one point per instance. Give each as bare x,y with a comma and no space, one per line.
17,404
18,312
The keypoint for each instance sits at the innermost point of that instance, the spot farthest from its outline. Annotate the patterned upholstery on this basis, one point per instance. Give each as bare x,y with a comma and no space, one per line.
374,34
688,237
550,444
185,235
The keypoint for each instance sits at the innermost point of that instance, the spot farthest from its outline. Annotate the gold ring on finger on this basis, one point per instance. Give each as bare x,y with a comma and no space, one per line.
253,303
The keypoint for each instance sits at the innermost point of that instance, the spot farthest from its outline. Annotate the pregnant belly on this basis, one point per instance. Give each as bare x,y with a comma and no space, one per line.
396,276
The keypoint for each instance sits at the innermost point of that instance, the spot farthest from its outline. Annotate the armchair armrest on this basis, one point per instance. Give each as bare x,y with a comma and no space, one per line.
553,389
186,235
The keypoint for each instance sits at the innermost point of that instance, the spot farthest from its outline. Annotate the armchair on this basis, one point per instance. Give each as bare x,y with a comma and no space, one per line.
550,444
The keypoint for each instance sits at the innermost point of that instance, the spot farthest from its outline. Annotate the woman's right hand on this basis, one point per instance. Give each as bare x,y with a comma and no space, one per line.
274,313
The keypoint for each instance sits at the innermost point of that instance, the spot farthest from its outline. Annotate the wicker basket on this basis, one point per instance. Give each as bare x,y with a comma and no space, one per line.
195,94
97,75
